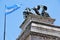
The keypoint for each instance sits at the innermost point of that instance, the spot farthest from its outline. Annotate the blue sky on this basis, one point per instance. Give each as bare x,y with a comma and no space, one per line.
15,19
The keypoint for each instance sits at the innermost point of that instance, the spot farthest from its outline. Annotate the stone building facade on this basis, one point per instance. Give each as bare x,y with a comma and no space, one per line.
36,27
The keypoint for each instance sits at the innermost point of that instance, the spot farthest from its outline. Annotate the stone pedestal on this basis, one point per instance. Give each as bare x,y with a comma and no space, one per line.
39,28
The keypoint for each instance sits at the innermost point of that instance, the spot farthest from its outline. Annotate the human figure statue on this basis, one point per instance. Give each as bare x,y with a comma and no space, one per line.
44,13
36,9
27,12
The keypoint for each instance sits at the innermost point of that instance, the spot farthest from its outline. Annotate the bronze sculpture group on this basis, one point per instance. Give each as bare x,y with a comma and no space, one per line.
36,10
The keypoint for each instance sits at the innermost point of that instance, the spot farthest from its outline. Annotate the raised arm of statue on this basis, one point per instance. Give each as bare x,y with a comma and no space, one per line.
36,9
